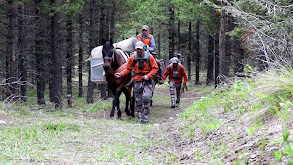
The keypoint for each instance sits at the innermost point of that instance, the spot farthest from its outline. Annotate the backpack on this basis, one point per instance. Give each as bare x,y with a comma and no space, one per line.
175,73
141,60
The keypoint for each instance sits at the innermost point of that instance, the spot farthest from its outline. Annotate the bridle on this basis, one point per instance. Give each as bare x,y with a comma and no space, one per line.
111,59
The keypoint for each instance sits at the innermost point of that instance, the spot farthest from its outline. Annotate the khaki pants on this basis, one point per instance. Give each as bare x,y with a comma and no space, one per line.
143,97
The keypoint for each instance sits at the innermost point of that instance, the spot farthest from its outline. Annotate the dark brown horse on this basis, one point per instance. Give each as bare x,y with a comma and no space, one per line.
114,61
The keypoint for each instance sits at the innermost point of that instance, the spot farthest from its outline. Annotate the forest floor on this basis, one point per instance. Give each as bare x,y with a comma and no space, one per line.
37,135
85,134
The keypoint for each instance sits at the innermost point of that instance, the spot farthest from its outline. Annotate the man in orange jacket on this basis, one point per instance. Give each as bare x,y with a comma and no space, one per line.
145,67
176,72
147,38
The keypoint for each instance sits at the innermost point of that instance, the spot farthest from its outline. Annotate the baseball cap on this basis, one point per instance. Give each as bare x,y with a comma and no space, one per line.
139,45
145,27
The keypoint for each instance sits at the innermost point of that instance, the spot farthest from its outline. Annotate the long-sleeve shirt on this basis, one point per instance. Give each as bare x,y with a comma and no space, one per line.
181,71
149,70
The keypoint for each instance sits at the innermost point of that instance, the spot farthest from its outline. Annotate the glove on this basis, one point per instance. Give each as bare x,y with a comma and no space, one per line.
145,77
118,75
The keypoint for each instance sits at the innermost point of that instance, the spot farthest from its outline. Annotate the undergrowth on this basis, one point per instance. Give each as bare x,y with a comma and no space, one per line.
253,100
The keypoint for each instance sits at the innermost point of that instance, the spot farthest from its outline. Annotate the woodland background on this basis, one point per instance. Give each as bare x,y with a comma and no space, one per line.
45,44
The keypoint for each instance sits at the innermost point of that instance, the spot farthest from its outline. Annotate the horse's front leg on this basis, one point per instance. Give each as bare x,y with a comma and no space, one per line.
126,91
115,103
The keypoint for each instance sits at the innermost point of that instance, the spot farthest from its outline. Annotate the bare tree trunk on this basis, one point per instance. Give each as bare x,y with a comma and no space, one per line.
197,54
80,56
223,44
39,54
217,59
178,35
171,33
190,51
69,56
90,91
56,59
22,56
14,48
210,63
112,32
102,87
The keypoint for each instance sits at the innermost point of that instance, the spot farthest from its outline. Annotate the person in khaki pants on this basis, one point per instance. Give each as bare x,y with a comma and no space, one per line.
145,67
176,72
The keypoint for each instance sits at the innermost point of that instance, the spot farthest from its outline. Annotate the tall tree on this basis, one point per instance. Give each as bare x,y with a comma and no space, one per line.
80,55
197,53
224,69
22,55
210,62
102,34
217,59
92,5
171,32
190,51
39,55
14,48
69,53
56,58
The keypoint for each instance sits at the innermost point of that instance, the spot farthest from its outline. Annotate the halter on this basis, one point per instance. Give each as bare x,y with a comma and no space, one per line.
112,57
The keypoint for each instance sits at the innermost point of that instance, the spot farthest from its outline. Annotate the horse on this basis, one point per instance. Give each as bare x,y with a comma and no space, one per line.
115,61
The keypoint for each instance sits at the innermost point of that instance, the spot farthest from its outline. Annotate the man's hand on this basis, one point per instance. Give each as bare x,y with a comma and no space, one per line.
118,74
145,77
184,86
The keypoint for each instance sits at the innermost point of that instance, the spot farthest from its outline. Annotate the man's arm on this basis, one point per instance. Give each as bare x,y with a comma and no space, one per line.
152,45
167,72
154,67
184,75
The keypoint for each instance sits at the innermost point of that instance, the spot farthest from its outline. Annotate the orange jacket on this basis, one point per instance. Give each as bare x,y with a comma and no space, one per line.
146,41
182,74
151,69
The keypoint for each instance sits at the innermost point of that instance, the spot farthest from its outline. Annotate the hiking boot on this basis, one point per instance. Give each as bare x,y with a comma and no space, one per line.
173,106
177,102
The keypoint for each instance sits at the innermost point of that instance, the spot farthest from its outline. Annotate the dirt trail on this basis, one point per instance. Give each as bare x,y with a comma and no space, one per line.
161,110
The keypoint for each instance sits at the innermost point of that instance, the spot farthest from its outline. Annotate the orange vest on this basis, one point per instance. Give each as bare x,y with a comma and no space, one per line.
146,41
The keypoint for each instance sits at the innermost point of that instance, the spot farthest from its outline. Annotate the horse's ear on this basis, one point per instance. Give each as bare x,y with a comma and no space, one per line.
103,41
111,41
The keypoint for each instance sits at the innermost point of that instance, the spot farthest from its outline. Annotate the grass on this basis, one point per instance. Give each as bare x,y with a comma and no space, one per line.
215,126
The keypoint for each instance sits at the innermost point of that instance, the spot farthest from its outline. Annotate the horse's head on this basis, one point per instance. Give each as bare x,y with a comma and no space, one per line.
108,54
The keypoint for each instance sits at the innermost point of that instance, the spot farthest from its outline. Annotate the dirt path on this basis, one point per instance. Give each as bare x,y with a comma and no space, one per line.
161,110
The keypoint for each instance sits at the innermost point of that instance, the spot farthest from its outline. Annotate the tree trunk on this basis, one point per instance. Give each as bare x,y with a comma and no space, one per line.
217,59
102,87
39,55
190,52
22,56
171,33
56,59
223,44
178,36
80,56
69,56
90,91
159,45
14,49
112,32
197,54
210,63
